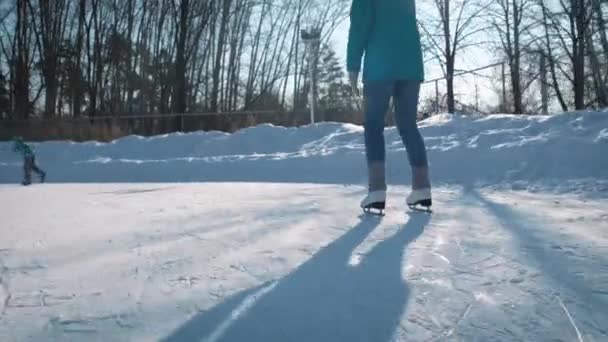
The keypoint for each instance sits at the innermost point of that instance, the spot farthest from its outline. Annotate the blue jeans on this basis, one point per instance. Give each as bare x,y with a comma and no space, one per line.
377,96
29,165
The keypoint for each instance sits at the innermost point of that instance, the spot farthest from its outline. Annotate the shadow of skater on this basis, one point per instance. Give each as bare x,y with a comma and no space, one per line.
536,242
325,299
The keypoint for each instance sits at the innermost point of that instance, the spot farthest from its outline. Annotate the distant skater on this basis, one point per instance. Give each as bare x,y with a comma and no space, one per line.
386,33
29,161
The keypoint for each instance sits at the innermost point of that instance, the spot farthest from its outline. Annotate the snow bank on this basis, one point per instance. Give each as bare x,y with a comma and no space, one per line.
565,150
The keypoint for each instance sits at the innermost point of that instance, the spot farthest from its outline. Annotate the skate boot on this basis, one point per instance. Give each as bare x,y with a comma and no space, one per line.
374,202
42,177
420,197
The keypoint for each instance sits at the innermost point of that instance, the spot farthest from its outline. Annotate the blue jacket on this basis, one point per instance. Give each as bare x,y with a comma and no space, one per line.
386,32
23,148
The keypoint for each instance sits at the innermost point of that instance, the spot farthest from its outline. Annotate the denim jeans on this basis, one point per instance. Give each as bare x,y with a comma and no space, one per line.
29,165
377,96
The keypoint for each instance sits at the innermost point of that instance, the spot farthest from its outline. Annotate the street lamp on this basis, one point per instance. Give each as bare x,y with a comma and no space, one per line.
312,41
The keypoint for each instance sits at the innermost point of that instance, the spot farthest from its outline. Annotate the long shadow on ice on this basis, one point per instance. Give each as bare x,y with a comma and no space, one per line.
565,272
325,299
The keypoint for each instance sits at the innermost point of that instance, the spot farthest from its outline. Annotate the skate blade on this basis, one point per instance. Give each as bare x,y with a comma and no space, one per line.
421,209
375,209
422,206
380,213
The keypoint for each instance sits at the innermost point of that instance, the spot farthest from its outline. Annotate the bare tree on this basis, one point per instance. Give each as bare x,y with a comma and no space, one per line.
225,16
454,31
190,19
566,28
49,25
76,73
551,55
115,57
182,30
598,56
21,56
513,29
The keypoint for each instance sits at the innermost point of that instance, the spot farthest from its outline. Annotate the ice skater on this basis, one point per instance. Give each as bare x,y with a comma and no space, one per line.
29,161
386,33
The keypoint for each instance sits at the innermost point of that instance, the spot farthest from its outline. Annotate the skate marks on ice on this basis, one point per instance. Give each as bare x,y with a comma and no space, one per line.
324,299
137,191
471,279
5,294
9,297
31,300
575,286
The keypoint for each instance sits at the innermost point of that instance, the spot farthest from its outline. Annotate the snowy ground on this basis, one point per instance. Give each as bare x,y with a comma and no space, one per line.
257,236
294,262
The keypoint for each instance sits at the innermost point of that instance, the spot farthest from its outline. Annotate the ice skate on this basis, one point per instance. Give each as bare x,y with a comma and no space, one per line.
374,202
420,199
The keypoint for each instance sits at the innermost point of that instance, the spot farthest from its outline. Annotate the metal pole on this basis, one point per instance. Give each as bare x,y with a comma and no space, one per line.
312,40
312,86
476,98
436,96
504,89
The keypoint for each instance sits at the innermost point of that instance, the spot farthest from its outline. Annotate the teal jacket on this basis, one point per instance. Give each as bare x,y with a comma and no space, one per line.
23,148
386,32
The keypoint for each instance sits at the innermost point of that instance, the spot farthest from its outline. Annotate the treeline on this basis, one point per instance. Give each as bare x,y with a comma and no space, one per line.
91,58
121,57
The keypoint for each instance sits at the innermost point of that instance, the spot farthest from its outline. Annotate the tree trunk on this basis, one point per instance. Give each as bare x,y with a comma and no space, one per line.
450,57
253,67
551,58
596,72
76,78
219,53
578,46
601,26
48,34
600,76
130,61
516,66
179,90
22,71
450,84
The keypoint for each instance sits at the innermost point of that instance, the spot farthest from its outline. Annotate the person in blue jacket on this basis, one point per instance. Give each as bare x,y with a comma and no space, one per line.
385,34
29,161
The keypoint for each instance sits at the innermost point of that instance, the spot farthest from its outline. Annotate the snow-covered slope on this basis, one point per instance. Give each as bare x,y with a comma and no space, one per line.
562,151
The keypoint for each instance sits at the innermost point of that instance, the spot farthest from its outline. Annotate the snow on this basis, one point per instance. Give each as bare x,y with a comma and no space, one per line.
560,152
256,236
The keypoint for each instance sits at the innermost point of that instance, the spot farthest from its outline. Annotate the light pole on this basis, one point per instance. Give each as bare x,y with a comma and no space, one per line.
312,41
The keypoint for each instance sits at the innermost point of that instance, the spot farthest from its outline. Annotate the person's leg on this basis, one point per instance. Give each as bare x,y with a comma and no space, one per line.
36,169
27,170
376,100
406,108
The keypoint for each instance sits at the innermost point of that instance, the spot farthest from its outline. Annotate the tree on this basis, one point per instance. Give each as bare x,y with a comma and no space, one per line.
513,29
120,57
49,19
566,31
449,35
4,98
547,51
75,75
335,95
21,67
598,56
